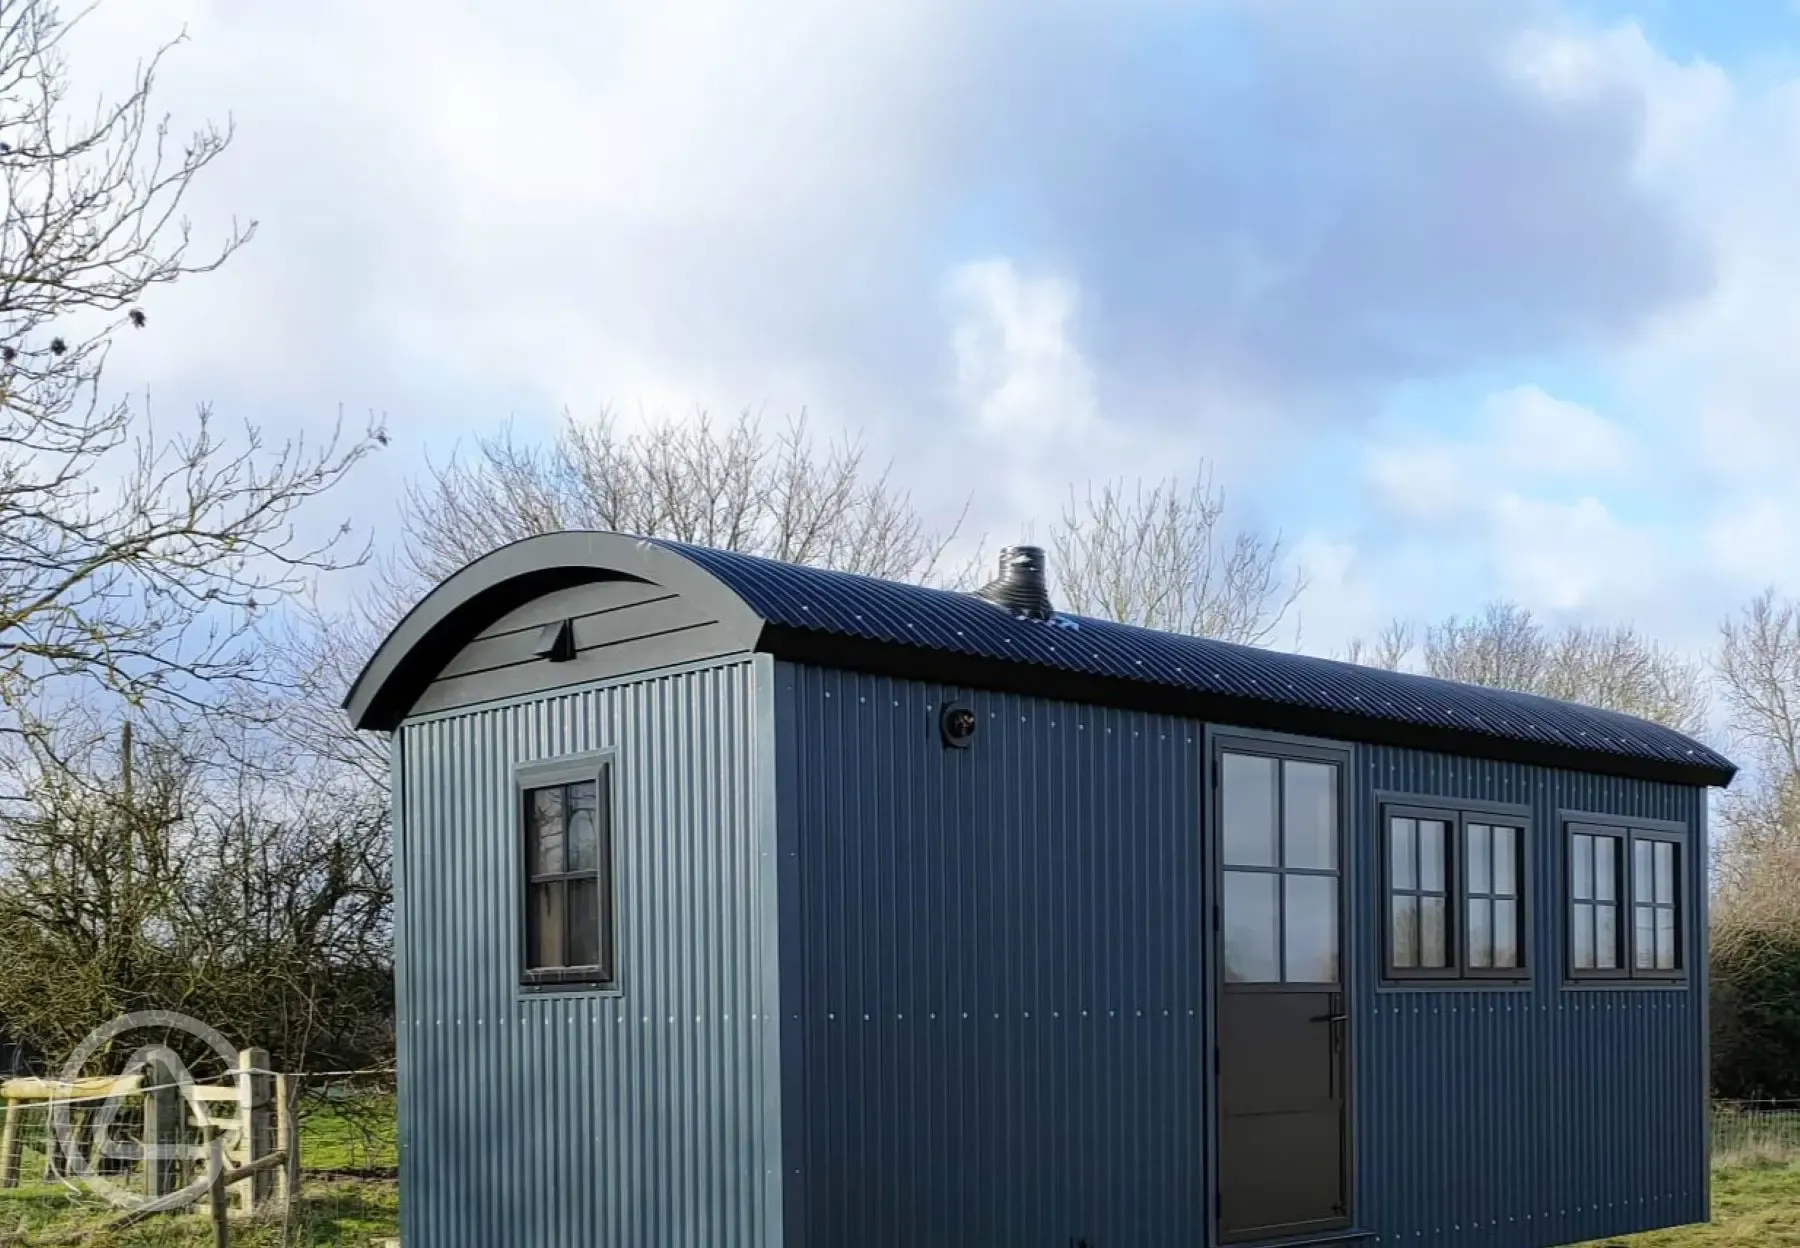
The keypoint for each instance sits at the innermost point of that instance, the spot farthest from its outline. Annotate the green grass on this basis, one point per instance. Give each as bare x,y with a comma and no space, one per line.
1756,1204
335,1210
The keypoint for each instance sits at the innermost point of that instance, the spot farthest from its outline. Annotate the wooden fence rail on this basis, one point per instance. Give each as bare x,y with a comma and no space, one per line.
259,1173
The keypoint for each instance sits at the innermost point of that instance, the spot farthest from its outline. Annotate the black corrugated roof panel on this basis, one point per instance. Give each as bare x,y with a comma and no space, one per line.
901,619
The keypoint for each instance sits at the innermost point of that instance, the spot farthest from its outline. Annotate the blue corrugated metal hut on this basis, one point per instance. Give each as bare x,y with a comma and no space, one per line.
750,904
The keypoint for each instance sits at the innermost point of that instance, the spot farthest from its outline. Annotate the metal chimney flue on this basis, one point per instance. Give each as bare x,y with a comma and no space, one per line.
1020,587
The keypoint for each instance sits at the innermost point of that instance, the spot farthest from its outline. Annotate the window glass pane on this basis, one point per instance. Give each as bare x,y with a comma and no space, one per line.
1403,847
1481,932
1506,862
1643,944
1643,870
1507,952
583,828
1312,952
1581,868
1248,810
547,831
1581,935
1606,868
1434,834
584,922
1404,917
1434,933
1309,813
547,924
1481,858
1252,934
1665,940
1606,937
1665,872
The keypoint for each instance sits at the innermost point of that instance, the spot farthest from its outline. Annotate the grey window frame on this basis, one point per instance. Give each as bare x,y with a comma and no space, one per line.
599,768
1458,813
1628,833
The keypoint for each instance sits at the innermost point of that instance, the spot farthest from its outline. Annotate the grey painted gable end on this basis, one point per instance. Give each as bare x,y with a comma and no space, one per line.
642,603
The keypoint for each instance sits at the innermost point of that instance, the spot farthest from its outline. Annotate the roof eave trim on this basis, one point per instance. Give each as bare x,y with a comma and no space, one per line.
978,672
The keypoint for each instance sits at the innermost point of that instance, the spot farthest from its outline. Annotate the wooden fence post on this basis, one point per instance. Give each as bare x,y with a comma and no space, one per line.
256,1126
164,1115
287,1132
12,1144
215,1190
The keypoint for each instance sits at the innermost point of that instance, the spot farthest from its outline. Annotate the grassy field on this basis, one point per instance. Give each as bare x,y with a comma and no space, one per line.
345,1199
348,1202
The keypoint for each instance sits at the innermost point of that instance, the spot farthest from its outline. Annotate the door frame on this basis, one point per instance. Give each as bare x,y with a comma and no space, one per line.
1216,740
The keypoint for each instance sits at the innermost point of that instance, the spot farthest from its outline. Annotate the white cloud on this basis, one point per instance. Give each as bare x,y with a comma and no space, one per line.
1524,436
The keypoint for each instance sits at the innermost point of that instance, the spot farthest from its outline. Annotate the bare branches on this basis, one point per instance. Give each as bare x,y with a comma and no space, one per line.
129,558
1157,558
214,882
692,481
1506,647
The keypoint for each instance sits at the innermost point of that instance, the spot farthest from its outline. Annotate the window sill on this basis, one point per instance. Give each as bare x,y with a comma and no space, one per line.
1627,985
544,992
1403,986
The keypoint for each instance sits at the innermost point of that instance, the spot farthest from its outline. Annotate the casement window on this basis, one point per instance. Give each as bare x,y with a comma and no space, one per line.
567,928
1626,886
1455,890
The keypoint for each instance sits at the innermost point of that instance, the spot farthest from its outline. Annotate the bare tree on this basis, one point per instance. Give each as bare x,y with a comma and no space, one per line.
1388,651
1158,558
1615,668
689,480
130,556
1759,676
216,877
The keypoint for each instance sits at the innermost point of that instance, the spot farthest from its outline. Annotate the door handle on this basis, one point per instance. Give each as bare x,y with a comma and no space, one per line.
1329,1018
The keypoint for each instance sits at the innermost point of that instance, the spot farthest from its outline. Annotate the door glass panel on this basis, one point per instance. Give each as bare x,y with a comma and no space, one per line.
1309,814
1312,931
1405,930
1252,927
1248,810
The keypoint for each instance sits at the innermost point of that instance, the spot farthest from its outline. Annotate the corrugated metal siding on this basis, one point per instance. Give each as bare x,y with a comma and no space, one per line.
633,1120
1519,1119
992,984
995,1022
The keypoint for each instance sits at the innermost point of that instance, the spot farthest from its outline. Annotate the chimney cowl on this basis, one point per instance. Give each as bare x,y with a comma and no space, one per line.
1020,587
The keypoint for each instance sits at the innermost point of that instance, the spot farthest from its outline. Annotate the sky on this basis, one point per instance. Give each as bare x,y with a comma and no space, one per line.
1465,300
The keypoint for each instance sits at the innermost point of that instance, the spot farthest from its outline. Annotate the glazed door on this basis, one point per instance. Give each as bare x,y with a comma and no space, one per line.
1283,1023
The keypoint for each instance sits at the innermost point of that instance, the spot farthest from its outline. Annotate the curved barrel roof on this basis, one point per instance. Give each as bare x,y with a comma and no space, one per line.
816,615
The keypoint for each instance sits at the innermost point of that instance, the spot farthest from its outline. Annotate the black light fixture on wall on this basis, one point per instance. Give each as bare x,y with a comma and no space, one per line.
957,724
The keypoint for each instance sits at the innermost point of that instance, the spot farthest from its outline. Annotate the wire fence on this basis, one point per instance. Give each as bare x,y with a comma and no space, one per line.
348,1189
1755,1132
